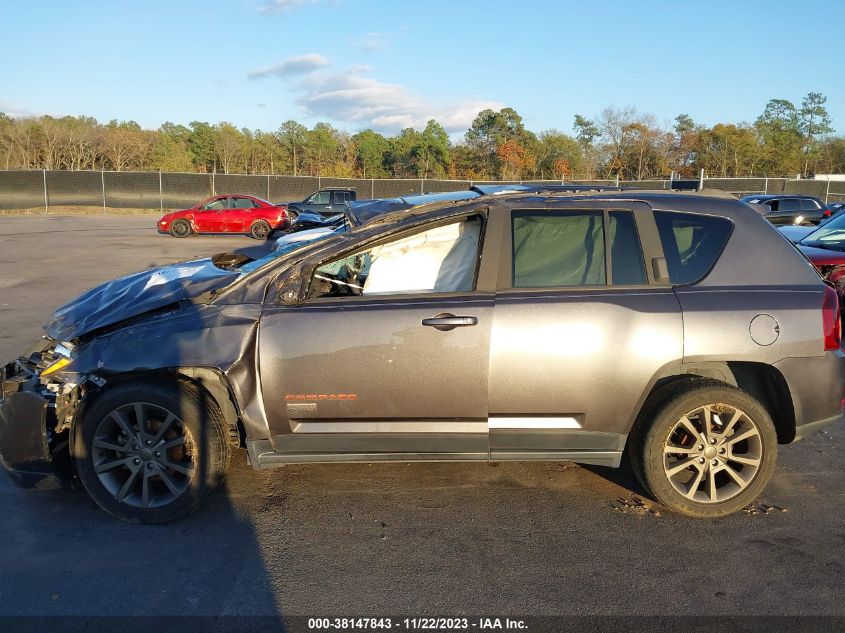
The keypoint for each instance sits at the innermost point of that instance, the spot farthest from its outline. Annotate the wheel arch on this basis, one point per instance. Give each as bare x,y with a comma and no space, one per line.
762,381
208,380
189,220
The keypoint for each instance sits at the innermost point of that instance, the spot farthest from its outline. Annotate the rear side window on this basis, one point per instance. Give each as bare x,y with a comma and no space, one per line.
242,203
692,243
789,204
626,256
809,205
558,249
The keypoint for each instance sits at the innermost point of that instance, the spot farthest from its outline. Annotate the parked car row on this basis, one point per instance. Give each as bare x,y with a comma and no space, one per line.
824,246
479,325
253,216
787,209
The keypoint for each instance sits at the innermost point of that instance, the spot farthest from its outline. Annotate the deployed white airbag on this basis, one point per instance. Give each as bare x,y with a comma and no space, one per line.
438,260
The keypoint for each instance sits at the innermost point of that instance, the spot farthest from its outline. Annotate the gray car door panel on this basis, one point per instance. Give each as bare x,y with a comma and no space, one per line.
569,365
583,361
375,370
378,375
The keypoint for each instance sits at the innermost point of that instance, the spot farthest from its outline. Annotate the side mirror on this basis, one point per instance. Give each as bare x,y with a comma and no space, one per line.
660,270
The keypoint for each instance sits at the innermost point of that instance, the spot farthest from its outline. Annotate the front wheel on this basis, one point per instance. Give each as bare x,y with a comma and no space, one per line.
180,228
709,450
148,452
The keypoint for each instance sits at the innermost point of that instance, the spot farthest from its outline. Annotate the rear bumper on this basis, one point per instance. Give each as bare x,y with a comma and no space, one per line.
26,419
817,387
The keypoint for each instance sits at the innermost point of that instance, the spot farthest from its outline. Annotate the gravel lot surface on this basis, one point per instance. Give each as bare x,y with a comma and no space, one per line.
413,539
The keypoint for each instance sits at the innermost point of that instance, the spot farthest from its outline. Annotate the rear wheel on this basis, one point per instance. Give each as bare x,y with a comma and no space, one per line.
180,228
260,229
148,452
709,450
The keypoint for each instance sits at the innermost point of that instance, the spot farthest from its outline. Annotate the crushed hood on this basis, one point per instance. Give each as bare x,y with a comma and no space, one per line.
132,295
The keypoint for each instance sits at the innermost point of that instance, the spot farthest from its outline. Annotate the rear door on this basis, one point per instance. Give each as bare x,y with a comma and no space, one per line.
241,214
811,210
581,329
339,200
787,210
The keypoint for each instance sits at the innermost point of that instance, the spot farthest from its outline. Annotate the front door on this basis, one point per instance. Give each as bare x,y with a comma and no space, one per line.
387,355
319,202
211,217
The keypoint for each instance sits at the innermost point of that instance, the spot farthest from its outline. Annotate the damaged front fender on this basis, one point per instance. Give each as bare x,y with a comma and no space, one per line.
32,447
197,342
216,337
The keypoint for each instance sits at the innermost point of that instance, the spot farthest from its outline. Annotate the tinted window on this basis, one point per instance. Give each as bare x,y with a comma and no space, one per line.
626,256
691,243
558,249
809,205
340,197
789,204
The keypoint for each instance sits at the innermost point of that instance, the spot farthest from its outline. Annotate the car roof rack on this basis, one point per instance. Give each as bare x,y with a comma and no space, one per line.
498,190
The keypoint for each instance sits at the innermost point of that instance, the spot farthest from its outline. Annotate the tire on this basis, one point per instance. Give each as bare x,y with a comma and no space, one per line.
701,475
259,229
180,228
122,470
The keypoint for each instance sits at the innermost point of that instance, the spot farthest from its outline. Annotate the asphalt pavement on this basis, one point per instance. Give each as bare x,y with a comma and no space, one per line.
414,539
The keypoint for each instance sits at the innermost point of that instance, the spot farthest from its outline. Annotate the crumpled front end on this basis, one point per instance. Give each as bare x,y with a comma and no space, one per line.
35,421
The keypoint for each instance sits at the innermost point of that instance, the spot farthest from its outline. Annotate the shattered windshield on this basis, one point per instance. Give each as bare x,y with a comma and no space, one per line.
283,249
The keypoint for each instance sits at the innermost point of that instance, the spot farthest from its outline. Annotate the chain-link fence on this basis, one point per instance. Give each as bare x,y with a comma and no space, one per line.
43,190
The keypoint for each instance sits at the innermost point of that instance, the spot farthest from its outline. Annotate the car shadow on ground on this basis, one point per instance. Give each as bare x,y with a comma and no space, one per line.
62,555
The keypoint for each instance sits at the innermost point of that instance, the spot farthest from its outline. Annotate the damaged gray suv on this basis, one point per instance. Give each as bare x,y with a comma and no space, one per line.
679,331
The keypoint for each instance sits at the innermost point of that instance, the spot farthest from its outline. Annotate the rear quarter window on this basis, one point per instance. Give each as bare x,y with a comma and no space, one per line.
691,243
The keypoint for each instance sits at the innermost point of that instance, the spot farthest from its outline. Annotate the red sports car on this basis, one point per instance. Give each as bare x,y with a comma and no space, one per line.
226,214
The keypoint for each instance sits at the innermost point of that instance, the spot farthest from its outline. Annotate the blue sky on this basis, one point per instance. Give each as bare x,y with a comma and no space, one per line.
389,64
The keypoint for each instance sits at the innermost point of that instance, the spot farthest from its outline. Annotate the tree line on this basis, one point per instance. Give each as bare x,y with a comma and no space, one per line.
785,140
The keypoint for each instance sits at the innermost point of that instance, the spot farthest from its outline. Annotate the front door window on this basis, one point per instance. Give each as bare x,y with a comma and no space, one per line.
442,259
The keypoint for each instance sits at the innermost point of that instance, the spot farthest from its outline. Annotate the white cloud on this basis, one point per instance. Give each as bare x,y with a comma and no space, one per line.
14,110
356,98
291,66
372,42
280,6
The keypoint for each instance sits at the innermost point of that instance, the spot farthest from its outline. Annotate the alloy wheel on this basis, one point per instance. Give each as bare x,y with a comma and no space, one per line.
713,453
181,229
144,455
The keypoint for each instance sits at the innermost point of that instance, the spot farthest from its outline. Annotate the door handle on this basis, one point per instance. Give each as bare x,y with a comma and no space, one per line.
445,321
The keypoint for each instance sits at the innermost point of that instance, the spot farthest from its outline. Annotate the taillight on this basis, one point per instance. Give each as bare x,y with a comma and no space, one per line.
831,322
827,213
